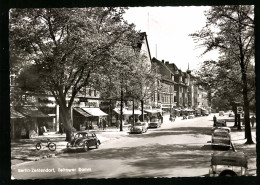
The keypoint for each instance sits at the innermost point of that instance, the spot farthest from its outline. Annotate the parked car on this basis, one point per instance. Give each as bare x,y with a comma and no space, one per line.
223,128
84,140
221,113
231,114
191,116
155,123
228,164
139,127
205,113
221,139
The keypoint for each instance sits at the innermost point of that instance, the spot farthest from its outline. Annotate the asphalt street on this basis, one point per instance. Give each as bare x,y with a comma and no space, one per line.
177,149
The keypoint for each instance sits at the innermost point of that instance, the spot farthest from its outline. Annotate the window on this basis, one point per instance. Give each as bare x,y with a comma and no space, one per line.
95,93
89,92
12,80
172,77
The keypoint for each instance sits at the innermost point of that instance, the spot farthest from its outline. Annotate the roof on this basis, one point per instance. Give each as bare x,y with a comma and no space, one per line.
15,114
229,158
162,65
139,45
83,132
32,111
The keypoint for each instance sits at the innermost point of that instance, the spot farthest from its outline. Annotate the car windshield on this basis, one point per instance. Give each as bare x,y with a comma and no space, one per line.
81,135
220,134
138,124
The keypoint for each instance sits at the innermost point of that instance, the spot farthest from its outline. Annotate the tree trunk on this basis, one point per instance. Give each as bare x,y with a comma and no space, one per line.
133,112
121,110
246,107
142,109
67,123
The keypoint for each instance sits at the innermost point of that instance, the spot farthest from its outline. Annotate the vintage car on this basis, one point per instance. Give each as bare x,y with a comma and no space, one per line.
139,127
154,123
223,128
84,140
221,113
221,139
205,113
231,114
191,116
228,163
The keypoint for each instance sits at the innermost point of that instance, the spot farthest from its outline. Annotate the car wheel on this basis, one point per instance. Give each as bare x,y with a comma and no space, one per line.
85,147
52,146
38,146
227,173
97,145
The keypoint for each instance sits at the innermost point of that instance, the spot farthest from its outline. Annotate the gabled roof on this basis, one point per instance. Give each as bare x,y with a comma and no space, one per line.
160,64
139,45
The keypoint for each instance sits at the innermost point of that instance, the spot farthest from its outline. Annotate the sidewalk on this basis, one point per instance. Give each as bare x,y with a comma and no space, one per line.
23,150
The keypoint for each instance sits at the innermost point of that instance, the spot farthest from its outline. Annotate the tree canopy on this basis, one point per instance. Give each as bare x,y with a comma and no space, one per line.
230,30
68,47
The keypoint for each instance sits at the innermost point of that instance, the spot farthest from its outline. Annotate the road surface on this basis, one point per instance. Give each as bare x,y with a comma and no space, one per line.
177,149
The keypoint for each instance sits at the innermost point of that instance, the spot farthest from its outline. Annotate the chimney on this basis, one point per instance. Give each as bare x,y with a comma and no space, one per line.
167,62
163,61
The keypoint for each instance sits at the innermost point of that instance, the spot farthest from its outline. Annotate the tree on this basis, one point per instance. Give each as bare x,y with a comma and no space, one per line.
230,30
67,47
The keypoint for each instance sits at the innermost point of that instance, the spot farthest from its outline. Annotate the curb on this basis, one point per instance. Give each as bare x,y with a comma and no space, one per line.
40,157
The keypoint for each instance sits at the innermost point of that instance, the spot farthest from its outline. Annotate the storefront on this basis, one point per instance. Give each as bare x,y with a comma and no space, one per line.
96,117
33,121
16,123
80,118
128,115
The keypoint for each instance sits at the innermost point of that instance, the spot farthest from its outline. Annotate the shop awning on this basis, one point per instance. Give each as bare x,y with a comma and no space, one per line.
33,112
94,111
15,114
117,110
153,111
82,112
130,112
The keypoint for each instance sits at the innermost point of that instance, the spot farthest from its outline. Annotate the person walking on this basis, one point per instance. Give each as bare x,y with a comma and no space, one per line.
252,119
214,121
61,129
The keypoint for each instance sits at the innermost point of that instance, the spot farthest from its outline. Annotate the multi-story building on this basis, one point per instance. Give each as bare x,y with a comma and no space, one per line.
166,94
186,94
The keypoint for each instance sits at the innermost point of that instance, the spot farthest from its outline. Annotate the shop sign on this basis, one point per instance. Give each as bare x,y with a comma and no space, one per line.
167,106
156,106
239,110
91,104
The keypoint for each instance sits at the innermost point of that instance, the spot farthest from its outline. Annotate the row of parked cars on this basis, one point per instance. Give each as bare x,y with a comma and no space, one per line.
227,161
142,127
85,140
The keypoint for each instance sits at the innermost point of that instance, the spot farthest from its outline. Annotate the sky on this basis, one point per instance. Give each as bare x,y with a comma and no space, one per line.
168,30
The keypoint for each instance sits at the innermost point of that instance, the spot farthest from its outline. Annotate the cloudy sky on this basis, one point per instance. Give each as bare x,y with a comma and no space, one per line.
168,30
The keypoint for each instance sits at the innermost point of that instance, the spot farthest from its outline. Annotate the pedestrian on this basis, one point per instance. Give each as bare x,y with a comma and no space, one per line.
252,119
214,120
104,124
117,123
61,129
